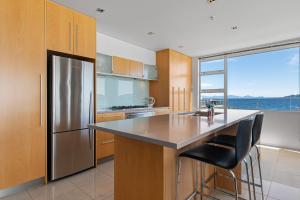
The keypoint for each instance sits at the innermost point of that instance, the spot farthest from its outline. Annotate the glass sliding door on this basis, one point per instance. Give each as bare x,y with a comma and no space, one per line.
212,84
265,81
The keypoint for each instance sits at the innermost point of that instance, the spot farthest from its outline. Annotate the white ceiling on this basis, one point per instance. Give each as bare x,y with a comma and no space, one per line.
187,22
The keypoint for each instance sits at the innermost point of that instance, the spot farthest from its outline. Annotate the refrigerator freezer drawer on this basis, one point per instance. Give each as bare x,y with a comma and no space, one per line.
72,152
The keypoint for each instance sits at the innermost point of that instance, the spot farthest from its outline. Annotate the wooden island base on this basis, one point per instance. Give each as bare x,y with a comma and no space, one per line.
148,171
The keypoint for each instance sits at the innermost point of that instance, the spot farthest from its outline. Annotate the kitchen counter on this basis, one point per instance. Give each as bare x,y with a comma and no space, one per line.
131,110
174,130
146,151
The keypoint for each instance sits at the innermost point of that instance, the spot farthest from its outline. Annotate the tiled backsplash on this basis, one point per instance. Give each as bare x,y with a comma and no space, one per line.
119,91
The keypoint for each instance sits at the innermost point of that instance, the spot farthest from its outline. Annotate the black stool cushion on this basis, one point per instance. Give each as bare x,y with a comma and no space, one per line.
226,140
218,156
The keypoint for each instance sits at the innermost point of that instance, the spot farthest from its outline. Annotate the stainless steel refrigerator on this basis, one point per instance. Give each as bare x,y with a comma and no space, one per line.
70,110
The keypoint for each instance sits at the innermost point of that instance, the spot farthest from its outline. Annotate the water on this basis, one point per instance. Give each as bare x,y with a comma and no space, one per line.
277,104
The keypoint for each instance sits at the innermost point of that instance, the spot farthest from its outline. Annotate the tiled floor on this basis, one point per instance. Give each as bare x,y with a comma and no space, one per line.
281,174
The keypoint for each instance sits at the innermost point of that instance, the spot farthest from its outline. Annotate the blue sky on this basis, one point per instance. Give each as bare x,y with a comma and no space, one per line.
269,74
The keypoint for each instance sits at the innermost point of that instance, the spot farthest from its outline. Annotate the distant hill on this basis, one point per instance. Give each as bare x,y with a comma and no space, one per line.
244,97
249,97
292,96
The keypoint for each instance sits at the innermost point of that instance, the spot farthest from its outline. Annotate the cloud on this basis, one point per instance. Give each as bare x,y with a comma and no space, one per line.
234,59
294,60
251,84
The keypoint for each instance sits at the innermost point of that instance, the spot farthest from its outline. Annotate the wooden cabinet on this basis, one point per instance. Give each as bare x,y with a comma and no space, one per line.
174,85
84,35
70,32
136,68
105,140
59,28
124,66
22,91
120,65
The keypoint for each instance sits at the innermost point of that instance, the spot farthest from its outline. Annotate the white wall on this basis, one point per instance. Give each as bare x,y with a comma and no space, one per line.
281,129
114,47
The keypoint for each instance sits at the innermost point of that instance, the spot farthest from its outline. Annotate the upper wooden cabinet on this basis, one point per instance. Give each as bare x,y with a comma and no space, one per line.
84,36
120,65
136,68
22,92
59,28
70,32
124,66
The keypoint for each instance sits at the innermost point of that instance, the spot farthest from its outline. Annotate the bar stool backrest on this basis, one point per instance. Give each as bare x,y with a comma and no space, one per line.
243,139
257,126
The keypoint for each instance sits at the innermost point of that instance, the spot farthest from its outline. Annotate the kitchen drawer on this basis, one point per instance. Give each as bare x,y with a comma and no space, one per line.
110,116
103,136
105,149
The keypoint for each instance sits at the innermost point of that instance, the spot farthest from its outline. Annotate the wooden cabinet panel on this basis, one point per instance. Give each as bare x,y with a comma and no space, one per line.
121,66
105,136
174,85
105,140
105,150
59,28
70,32
136,68
180,81
22,91
112,116
84,35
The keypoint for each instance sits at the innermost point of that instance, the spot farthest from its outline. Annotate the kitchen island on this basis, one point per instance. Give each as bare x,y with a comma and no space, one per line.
146,150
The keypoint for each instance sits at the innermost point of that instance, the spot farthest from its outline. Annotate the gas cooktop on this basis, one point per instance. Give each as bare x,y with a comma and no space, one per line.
127,107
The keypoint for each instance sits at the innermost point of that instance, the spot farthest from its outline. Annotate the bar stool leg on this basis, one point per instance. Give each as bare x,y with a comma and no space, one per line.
252,174
202,180
178,173
215,174
235,184
259,169
196,179
248,179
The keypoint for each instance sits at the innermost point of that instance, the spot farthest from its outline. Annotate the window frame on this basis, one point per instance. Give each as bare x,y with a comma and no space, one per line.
246,52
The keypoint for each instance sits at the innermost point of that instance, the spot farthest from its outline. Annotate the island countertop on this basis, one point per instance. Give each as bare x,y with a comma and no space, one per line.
173,130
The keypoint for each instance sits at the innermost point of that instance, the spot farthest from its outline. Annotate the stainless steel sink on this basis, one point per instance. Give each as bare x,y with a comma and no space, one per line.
198,113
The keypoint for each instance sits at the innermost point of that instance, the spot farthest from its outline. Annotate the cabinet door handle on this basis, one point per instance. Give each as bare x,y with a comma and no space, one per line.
107,141
178,99
70,36
41,100
173,96
76,37
184,100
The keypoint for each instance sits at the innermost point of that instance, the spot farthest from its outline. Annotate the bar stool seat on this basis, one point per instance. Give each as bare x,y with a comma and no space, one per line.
218,156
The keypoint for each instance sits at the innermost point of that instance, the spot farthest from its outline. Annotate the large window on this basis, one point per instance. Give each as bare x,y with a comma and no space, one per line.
268,79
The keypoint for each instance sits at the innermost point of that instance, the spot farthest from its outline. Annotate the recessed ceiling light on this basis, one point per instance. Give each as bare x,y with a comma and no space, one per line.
150,33
180,46
234,28
100,10
210,1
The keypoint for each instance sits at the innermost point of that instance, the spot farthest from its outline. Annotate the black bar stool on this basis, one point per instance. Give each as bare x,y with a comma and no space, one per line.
225,158
228,140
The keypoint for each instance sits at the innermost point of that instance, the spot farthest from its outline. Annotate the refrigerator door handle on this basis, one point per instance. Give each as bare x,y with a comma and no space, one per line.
90,107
